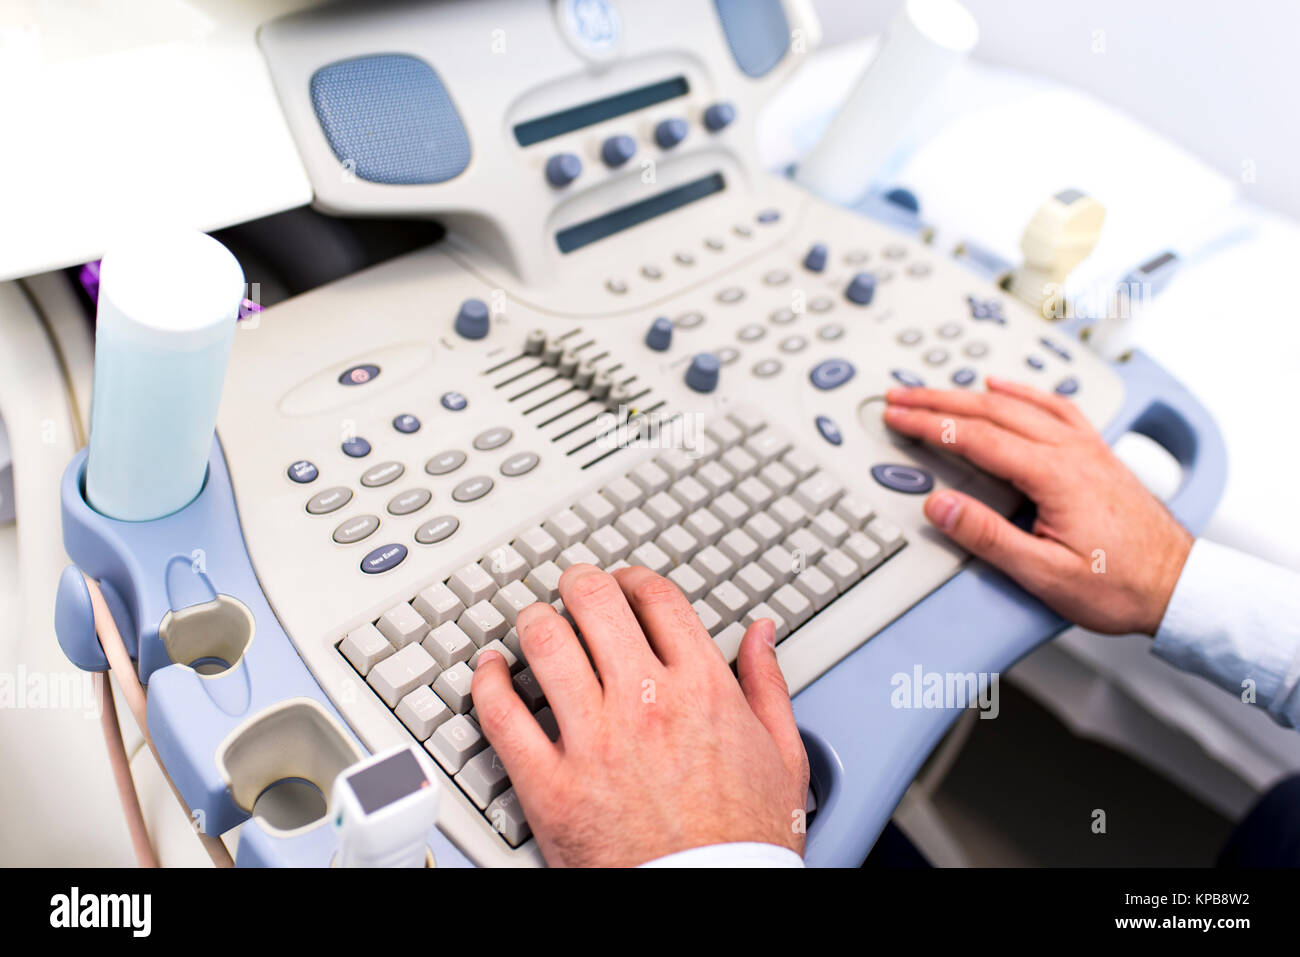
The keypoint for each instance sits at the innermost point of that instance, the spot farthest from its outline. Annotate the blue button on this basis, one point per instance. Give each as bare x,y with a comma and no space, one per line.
562,169
964,376
909,379
454,401
815,261
660,336
719,116
829,430
1034,362
670,132
986,310
702,376
406,423
903,478
904,199
358,375
1067,386
303,471
617,150
1060,351
383,558
862,289
831,373
472,319
356,447
768,216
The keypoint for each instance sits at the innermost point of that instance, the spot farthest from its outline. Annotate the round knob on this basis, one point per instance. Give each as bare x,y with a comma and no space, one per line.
702,376
562,169
535,342
617,150
472,319
719,116
660,336
815,261
904,199
862,289
670,132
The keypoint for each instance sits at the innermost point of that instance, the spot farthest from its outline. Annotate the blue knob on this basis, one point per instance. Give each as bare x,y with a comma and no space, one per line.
904,199
815,261
617,150
702,376
472,319
719,116
670,132
862,289
562,169
660,336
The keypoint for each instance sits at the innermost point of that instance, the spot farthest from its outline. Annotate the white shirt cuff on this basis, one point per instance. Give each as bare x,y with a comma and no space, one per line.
1235,619
749,854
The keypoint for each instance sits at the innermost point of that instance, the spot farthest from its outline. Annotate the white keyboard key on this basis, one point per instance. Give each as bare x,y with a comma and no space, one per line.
804,544
609,545
778,562
713,565
511,641
365,647
840,569
512,662
788,512
422,712
651,556
448,644
889,535
800,463
678,463
577,555
739,547
689,581
817,492
507,817
472,584
725,432
544,581
636,526
715,477
650,477
617,565
829,527
755,493
863,550
728,600
748,420
512,599
401,673
690,492
483,623
402,625
704,525
728,640
537,545
778,478
792,605
709,617
453,685
483,777
730,509
566,527
764,610
624,493
764,529
756,583
740,462
595,510
678,543
816,586
701,448
505,565
767,445
664,509
438,604
455,742
854,511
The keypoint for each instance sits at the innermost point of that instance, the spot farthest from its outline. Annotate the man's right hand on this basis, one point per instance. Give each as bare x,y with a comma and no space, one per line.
1103,552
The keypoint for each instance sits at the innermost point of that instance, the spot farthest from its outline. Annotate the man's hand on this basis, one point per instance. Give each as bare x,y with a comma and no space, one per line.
1104,552
660,748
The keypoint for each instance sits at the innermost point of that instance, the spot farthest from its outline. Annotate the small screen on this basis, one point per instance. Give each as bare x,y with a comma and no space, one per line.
625,217
389,781
588,114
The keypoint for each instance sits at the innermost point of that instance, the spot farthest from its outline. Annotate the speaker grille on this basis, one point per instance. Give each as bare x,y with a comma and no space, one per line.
388,118
757,32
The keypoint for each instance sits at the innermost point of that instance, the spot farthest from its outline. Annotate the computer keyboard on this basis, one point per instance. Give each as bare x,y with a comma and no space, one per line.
744,522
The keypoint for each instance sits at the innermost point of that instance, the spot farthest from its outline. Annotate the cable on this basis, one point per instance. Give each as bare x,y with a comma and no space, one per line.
117,757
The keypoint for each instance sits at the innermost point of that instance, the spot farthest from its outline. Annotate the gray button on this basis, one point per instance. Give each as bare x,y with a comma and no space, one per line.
830,332
821,304
950,330
782,317
412,500
855,257
936,356
329,500
727,355
652,272
792,344
766,368
776,277
740,229
616,286
688,320
356,528
684,258
976,349
437,529
731,294
483,777
909,337
895,252
472,489
918,270
445,462
507,817
382,474
714,243
519,464
751,332
492,439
